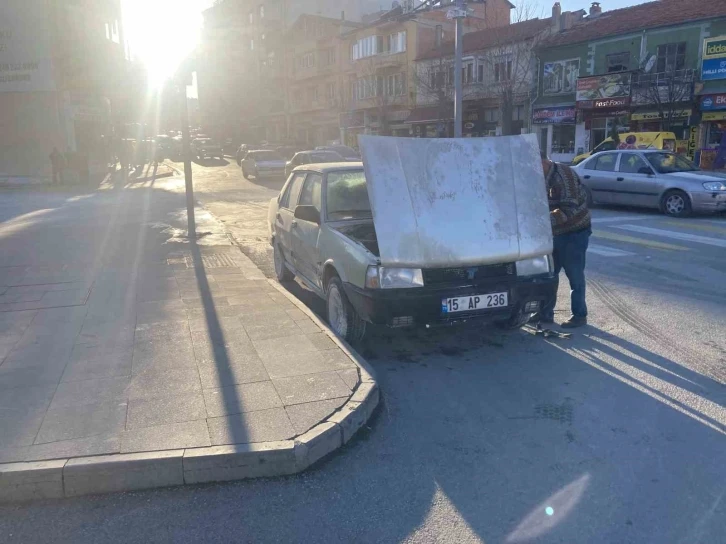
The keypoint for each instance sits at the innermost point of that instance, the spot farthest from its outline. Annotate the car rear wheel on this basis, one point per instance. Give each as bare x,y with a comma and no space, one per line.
676,204
282,272
342,317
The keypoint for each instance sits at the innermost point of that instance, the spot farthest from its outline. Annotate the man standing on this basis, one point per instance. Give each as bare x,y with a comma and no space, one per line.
571,230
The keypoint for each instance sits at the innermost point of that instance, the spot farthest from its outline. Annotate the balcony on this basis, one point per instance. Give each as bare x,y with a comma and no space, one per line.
662,87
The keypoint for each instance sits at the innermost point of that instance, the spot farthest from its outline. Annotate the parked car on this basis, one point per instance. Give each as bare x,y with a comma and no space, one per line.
633,140
206,147
377,257
348,153
261,163
241,152
312,157
652,179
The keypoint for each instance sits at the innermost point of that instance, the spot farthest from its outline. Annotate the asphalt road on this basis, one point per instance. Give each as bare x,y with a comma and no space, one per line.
615,435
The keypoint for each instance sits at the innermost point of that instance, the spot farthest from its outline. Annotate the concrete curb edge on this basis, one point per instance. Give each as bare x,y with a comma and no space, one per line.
59,478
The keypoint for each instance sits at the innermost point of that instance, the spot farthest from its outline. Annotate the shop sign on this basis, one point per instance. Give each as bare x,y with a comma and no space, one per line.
554,115
714,48
611,102
713,69
692,143
656,116
602,114
713,102
603,86
714,116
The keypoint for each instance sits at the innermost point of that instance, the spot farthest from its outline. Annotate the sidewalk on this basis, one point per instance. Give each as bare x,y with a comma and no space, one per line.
131,358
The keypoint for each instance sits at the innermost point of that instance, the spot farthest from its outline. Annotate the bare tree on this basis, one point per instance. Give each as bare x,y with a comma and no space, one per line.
382,87
669,91
509,64
434,83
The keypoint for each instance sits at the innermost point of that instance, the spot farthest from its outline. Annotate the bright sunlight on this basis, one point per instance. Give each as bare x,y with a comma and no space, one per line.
162,32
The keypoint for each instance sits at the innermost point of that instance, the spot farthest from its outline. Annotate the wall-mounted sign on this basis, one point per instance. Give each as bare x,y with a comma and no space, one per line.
560,76
714,116
611,102
553,115
603,86
714,48
656,116
691,149
713,102
713,69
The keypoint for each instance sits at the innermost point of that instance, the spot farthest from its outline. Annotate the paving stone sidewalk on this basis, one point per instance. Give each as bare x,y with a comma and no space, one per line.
117,335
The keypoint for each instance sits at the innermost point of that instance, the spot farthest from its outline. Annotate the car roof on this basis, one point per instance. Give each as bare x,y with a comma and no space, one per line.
327,167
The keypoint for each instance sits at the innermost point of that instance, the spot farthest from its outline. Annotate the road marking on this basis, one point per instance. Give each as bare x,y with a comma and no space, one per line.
675,235
608,251
638,241
620,218
697,226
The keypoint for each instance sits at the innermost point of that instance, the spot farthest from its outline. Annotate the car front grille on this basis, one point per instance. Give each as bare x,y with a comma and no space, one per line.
468,275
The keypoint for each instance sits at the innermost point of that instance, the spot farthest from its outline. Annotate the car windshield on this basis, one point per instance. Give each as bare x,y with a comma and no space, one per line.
325,156
266,156
669,163
347,196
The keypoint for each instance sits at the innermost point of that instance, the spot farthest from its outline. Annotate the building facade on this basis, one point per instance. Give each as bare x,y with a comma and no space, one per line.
62,70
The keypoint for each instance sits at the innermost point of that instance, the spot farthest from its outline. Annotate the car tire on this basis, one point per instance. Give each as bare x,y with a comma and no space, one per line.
244,173
342,317
676,203
282,272
516,321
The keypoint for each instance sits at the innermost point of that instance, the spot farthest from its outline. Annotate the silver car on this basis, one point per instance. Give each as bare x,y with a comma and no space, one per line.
263,163
652,179
323,231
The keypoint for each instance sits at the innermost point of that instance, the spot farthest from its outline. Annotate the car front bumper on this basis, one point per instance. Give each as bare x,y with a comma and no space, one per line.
705,202
422,306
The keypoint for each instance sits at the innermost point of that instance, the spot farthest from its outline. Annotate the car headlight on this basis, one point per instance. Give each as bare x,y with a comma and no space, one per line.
383,277
714,186
535,266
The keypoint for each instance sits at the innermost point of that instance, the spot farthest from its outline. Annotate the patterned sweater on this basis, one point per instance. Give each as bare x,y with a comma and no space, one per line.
567,199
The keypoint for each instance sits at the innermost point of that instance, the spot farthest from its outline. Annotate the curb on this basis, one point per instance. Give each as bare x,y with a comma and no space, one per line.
78,476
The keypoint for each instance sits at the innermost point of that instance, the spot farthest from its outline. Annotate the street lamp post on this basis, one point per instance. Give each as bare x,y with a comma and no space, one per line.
186,152
458,13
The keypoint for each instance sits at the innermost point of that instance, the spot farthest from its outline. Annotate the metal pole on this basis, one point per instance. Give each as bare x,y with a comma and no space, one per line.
186,151
458,92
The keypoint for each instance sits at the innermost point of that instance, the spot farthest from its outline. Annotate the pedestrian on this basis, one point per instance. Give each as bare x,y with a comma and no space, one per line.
57,165
571,230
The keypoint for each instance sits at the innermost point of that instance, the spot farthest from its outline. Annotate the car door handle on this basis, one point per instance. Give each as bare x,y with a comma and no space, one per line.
620,179
587,177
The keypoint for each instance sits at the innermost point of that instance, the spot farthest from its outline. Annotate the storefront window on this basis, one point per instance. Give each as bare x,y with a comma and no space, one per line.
563,138
714,134
598,132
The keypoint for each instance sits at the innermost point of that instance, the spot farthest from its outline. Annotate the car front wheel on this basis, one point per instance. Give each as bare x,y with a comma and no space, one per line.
342,317
516,321
282,272
676,203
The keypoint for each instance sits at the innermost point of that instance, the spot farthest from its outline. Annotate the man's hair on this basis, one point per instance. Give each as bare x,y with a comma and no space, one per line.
543,154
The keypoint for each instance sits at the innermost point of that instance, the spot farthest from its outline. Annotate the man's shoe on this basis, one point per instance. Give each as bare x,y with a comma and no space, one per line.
574,322
537,318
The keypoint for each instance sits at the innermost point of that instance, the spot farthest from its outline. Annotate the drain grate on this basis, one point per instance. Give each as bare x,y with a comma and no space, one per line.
555,412
213,260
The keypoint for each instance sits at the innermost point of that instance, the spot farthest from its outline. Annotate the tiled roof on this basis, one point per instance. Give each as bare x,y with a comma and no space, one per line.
636,18
491,37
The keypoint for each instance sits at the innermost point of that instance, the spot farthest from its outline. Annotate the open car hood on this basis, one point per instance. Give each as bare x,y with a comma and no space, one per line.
456,202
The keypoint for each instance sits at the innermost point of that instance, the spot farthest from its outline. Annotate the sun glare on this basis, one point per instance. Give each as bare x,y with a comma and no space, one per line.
161,33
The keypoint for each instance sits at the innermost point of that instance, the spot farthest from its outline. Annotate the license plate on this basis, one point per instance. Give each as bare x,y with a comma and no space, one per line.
474,302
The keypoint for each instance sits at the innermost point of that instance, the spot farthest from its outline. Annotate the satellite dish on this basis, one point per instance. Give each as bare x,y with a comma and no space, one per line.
647,62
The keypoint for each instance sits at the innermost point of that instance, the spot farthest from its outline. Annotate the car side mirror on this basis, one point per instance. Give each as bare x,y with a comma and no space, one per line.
307,213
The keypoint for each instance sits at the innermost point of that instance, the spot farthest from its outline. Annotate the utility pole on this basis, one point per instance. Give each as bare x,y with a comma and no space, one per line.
458,13
186,151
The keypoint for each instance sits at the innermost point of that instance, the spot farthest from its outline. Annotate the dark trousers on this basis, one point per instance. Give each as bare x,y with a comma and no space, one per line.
569,253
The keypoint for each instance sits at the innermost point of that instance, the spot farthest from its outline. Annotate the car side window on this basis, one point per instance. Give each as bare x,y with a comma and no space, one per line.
606,162
630,163
310,195
289,197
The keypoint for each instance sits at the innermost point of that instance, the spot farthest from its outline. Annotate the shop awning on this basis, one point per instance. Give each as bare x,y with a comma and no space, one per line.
431,114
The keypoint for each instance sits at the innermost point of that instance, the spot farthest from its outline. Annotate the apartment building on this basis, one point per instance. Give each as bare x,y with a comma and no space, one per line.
62,73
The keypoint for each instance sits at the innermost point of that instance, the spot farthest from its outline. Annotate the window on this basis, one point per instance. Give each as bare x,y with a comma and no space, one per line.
347,196
396,43
289,197
330,90
367,47
251,17
312,94
480,74
518,113
307,60
327,57
263,37
605,162
563,138
469,72
262,12
630,163
503,70
252,44
394,85
491,115
618,62
670,57
310,195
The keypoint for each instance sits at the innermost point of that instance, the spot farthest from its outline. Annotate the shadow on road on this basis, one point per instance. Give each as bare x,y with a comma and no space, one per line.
210,162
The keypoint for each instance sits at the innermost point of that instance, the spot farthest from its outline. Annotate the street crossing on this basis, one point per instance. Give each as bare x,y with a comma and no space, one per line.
627,235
